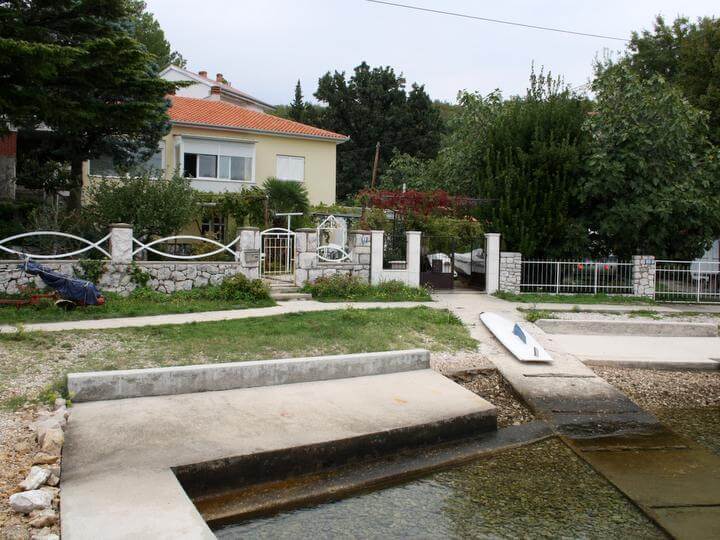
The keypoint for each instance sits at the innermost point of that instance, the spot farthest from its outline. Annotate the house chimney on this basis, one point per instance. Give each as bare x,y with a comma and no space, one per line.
219,78
203,74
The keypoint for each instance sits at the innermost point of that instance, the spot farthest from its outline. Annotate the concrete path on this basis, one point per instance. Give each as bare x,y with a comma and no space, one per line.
117,460
691,353
673,480
297,306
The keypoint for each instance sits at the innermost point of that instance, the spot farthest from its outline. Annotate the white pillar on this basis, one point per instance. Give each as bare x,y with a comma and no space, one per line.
492,262
121,243
376,256
412,257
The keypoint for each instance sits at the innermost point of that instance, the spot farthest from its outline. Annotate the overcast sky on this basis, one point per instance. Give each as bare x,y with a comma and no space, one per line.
263,47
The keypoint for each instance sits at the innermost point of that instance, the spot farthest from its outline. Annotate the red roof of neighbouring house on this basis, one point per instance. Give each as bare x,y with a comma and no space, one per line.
206,112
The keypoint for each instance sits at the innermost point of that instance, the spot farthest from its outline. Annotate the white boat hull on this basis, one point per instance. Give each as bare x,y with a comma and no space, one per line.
515,339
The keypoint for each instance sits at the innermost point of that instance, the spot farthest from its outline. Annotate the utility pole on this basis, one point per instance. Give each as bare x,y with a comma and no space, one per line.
375,164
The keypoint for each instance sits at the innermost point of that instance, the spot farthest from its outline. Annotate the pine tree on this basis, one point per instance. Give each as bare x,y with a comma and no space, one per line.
297,109
74,67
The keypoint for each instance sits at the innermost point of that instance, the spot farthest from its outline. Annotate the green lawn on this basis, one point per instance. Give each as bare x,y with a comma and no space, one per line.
117,306
543,298
32,360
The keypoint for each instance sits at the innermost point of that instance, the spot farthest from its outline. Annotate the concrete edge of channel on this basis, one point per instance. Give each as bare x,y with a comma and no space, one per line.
628,328
107,385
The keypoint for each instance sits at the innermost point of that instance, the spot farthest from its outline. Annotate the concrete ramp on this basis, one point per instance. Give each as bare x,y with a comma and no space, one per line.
119,455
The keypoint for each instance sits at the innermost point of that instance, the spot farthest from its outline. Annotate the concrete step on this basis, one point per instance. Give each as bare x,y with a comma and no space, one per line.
284,288
287,296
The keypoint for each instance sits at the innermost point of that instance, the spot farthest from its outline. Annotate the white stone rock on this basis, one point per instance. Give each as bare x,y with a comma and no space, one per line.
53,441
43,518
35,478
27,501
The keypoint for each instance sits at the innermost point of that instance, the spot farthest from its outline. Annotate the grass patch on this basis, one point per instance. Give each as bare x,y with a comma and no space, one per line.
13,403
545,298
39,362
344,288
533,315
233,293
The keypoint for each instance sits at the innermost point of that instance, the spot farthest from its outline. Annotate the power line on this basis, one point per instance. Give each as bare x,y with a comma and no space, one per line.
498,21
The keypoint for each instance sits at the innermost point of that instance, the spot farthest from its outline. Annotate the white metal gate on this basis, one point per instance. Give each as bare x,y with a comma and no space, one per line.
277,259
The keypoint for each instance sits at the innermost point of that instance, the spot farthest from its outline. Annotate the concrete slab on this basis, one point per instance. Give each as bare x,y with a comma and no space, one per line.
638,351
119,384
627,328
117,459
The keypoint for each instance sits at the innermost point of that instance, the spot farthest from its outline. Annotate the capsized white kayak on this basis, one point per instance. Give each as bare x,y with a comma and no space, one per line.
516,340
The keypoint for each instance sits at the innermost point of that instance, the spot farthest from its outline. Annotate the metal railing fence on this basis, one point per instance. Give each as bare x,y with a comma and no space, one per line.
576,277
695,281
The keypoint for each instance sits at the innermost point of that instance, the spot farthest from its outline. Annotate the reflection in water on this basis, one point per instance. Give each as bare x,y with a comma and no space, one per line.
541,490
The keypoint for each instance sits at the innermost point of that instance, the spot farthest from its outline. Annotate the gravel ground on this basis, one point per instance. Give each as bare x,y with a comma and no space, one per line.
490,385
17,446
449,363
713,318
656,389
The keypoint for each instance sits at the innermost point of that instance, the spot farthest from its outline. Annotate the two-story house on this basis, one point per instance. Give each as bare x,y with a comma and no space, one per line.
224,140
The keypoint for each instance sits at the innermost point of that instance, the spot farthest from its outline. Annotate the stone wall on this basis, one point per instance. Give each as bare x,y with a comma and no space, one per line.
644,276
510,272
164,276
309,267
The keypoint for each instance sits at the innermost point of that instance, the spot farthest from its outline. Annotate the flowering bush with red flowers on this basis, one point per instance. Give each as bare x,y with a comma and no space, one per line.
413,202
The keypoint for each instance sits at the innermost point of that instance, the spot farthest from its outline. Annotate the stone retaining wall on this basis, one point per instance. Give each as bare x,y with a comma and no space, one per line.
164,276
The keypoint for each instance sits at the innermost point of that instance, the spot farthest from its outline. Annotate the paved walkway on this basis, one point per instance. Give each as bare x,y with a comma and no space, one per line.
673,480
296,306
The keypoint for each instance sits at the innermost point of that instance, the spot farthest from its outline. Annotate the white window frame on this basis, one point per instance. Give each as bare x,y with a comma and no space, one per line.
277,160
161,146
219,140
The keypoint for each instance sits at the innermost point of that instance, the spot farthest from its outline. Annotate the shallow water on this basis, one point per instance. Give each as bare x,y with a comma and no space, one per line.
537,491
701,425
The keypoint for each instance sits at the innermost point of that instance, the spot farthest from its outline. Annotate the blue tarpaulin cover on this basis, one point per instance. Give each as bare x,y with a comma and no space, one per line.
77,290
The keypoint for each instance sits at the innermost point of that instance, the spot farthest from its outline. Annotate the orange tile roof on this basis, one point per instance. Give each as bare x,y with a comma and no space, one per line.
205,112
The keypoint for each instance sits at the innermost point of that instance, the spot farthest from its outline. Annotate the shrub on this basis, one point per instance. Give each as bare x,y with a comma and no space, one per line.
90,269
239,287
138,276
347,287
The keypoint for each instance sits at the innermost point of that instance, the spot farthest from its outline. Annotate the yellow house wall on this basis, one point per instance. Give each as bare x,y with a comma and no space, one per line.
320,159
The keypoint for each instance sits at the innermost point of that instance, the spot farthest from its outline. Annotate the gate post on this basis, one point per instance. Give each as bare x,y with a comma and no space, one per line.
121,243
412,256
643,275
376,256
492,262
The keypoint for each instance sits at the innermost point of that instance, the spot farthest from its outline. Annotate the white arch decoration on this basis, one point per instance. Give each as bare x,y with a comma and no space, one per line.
332,252
90,245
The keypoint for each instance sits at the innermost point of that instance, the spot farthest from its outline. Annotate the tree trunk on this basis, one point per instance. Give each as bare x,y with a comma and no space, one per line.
75,200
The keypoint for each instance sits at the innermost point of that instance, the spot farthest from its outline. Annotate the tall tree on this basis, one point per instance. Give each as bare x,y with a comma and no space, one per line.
687,54
653,178
74,67
373,106
146,29
524,155
296,110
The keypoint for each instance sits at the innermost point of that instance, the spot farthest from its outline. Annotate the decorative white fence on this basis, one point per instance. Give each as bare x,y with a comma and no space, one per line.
695,281
221,247
52,234
576,277
231,248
